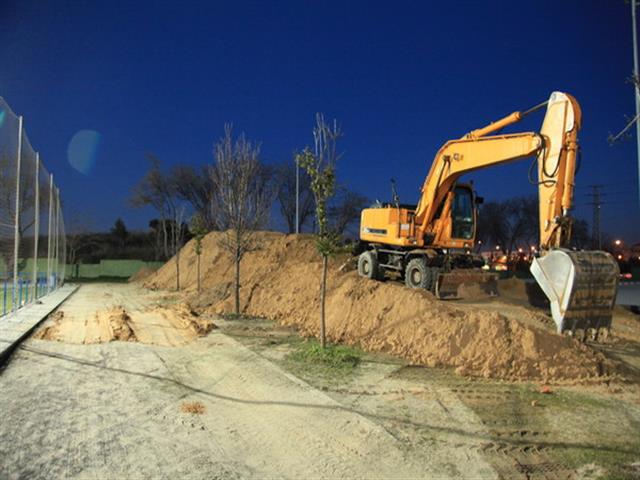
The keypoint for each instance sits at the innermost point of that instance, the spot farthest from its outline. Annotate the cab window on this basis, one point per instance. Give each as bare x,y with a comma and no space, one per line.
462,214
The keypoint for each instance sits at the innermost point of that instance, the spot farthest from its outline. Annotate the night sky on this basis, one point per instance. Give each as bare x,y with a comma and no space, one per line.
401,78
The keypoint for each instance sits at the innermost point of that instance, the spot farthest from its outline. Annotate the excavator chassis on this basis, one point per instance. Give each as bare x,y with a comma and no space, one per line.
446,276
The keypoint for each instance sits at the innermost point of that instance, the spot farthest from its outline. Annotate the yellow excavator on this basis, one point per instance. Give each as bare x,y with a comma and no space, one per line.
431,244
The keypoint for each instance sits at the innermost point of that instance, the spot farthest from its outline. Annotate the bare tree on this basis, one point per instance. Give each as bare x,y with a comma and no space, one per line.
78,240
26,219
346,209
286,181
509,222
321,167
197,189
158,190
244,195
580,237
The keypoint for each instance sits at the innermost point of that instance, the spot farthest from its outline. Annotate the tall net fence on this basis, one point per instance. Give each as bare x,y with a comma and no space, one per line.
32,234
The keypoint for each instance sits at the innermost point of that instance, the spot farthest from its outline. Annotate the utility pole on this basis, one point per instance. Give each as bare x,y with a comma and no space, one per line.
596,202
636,80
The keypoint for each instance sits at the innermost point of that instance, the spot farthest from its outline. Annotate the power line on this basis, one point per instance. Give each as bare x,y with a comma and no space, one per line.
596,237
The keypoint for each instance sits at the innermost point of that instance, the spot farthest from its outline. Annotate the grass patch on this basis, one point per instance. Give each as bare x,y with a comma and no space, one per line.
334,361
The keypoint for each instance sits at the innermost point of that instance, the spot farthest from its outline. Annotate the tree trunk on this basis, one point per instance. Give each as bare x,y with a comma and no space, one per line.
323,288
177,269
198,272
237,286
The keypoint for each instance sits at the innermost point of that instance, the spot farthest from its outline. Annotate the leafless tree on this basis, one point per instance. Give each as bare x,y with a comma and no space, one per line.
197,189
286,181
346,209
26,218
78,239
244,195
580,237
510,222
158,190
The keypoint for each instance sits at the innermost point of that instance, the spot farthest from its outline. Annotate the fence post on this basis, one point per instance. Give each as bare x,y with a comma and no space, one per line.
50,240
16,237
36,233
57,237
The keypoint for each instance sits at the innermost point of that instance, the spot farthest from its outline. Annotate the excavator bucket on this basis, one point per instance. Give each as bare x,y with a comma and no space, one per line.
466,284
581,287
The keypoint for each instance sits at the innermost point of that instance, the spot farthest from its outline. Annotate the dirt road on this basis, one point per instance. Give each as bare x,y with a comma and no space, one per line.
114,410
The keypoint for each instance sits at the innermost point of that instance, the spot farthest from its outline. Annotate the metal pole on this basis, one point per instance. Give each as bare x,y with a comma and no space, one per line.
636,79
16,237
36,233
297,196
57,239
50,240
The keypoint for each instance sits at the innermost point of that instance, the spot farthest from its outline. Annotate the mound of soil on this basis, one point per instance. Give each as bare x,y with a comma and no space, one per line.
281,280
141,274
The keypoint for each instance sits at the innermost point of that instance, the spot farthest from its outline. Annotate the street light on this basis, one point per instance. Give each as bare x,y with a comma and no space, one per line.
618,243
497,247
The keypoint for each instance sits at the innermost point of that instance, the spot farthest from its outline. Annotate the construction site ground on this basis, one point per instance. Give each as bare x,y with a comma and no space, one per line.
124,382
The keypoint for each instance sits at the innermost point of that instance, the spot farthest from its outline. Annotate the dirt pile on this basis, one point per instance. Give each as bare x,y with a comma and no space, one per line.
280,281
141,274
119,323
158,325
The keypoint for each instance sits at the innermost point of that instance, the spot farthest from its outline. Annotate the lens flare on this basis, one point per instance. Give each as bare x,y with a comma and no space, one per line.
83,150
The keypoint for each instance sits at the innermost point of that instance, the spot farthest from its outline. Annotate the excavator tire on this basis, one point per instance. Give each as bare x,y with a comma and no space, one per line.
368,266
417,274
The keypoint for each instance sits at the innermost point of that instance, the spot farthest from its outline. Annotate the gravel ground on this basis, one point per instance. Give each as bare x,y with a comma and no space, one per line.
113,410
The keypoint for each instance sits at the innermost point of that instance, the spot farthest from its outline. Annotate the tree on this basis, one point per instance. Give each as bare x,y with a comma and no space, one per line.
346,209
78,239
510,222
197,189
286,181
158,190
244,194
26,220
120,233
199,231
580,237
321,168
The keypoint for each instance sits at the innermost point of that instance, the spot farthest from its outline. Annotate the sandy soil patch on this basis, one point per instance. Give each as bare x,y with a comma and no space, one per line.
126,314
280,281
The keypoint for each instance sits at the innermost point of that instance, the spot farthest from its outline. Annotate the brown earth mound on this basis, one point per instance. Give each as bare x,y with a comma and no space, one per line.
142,274
280,281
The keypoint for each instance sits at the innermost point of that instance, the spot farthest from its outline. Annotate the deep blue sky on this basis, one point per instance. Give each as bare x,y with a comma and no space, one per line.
401,77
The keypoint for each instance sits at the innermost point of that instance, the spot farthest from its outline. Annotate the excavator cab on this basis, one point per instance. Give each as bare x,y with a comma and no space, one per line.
463,225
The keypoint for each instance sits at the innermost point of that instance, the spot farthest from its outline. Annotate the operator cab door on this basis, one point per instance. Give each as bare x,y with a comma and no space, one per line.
463,225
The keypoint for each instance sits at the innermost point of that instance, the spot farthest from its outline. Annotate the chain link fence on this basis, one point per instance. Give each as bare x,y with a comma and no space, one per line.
32,235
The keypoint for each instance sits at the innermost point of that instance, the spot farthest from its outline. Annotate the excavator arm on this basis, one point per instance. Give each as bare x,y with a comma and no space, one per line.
555,146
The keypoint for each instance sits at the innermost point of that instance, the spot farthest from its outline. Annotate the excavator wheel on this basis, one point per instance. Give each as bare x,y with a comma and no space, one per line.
368,266
418,274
